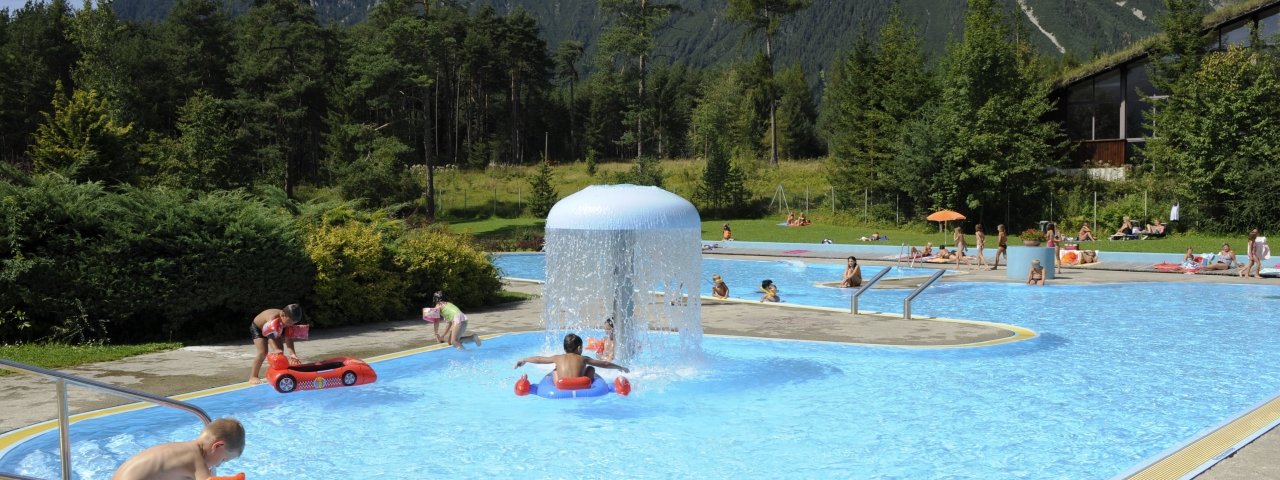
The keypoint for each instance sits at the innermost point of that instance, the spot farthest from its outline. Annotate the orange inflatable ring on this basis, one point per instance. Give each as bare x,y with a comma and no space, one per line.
574,383
238,476
1070,256
596,345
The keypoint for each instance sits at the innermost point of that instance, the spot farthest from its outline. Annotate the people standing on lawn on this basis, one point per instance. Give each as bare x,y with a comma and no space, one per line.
726,233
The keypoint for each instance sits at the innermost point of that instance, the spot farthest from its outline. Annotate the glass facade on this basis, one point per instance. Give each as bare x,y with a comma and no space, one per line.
1107,100
1080,111
1092,108
1269,27
1236,34
1138,78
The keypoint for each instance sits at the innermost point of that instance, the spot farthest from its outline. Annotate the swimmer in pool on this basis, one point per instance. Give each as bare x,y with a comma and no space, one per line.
571,363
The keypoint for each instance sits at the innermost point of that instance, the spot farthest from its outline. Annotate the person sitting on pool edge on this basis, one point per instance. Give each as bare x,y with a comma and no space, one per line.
852,274
221,441
572,363
719,289
770,291
1224,260
1035,274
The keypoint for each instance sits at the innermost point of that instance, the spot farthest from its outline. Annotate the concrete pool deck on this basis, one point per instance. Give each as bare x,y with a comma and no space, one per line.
27,400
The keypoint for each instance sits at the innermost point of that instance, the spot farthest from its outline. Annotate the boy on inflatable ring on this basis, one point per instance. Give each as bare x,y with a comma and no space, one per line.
573,370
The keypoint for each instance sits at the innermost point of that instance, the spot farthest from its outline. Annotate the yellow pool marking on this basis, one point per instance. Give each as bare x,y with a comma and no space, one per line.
12,438
1201,453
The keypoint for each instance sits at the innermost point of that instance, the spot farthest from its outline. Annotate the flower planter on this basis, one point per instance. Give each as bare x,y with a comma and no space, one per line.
1031,243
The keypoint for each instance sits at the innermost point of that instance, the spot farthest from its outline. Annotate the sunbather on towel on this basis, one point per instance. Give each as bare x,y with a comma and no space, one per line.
1224,260
927,251
942,256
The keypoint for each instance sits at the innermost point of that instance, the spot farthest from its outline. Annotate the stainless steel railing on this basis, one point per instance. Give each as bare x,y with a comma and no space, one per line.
906,304
62,379
853,301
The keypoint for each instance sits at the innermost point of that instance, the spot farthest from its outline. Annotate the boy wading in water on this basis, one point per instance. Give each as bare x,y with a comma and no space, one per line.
571,363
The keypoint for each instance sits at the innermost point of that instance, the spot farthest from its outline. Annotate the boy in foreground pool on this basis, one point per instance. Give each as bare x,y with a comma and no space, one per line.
220,441
571,363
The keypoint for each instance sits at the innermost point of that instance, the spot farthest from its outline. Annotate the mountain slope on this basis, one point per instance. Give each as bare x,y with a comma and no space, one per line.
700,36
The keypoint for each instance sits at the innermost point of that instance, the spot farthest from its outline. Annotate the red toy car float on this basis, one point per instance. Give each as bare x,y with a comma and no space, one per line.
330,373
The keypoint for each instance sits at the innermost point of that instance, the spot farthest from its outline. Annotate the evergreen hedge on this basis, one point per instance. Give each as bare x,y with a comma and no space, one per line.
80,262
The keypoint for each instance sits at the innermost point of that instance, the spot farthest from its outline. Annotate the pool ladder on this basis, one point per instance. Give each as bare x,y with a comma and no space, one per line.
906,304
64,423
853,300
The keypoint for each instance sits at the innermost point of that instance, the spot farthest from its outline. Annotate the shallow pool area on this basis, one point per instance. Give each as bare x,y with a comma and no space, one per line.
1101,390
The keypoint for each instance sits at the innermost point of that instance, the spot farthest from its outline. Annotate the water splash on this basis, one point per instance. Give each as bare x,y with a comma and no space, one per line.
628,253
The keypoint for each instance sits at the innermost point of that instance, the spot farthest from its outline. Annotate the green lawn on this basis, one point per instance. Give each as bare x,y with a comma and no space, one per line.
767,230
57,355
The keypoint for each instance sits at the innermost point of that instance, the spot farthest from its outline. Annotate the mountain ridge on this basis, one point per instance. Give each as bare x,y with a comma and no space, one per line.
700,36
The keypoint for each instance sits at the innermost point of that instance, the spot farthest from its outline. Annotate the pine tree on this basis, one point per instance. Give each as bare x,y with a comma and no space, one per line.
723,190
82,140
765,16
543,195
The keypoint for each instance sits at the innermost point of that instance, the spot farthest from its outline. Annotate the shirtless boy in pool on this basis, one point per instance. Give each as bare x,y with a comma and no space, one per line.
571,363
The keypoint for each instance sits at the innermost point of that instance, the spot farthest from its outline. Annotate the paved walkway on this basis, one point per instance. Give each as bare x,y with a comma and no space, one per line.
25,400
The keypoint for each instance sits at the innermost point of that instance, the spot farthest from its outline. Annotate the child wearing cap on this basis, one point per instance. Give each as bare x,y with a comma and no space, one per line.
1035,275
719,289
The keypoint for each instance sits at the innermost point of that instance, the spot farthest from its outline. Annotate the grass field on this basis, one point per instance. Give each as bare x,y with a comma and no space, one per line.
768,230
488,205
59,355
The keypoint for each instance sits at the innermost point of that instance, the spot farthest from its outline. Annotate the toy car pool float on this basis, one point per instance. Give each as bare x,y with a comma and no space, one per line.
330,373
576,387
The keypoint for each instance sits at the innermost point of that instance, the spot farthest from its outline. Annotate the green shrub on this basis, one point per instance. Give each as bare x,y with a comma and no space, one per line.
354,280
435,261
80,263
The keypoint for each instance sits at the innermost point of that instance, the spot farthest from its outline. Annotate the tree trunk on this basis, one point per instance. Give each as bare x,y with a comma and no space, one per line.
426,153
640,103
773,103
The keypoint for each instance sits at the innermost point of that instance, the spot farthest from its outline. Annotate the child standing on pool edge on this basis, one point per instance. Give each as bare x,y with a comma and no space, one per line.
220,441
267,332
455,323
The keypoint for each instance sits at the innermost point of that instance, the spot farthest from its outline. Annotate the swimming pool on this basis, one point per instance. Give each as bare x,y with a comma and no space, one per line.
1098,392
799,282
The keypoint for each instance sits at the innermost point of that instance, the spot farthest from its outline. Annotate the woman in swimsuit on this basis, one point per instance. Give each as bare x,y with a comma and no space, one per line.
981,242
1002,246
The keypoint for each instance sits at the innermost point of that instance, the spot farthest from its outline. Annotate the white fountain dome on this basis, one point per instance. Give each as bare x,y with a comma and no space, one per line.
624,207
631,255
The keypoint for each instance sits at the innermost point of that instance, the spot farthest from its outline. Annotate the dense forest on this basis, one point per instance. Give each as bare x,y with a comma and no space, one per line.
699,35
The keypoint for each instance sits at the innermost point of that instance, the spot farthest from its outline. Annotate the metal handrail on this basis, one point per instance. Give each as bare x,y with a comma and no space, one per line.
906,304
64,422
853,301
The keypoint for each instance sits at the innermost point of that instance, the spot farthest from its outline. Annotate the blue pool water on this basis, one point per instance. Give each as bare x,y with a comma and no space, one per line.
1104,387
798,282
